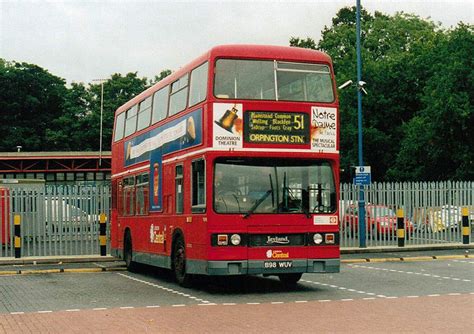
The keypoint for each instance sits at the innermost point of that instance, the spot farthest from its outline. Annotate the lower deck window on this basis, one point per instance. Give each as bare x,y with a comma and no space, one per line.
198,193
179,191
142,191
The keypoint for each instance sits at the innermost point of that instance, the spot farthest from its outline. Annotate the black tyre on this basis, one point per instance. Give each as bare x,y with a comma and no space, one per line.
290,280
127,252
179,263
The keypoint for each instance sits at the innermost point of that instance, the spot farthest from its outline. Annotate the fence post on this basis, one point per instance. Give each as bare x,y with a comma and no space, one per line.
400,228
17,223
102,235
466,229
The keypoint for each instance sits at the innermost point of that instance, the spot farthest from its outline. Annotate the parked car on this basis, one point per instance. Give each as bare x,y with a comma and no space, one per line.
440,218
381,220
61,216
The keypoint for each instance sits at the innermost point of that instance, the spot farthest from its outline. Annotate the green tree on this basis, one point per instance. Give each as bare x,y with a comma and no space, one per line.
158,78
69,128
307,43
438,143
30,99
117,91
396,54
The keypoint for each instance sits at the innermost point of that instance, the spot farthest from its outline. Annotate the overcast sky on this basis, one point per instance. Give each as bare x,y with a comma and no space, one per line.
85,40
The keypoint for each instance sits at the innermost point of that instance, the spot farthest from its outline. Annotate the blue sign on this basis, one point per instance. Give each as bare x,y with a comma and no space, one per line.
156,176
362,176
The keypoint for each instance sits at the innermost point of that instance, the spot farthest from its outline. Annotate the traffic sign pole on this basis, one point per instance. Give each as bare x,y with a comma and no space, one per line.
361,224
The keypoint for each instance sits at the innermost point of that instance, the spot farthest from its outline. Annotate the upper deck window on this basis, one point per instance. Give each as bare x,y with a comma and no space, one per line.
119,127
198,85
179,95
131,121
144,114
259,80
160,104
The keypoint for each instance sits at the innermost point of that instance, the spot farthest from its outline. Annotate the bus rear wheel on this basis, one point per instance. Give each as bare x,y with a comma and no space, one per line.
127,252
179,263
290,280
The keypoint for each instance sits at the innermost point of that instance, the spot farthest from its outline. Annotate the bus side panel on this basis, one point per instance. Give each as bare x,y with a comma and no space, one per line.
5,215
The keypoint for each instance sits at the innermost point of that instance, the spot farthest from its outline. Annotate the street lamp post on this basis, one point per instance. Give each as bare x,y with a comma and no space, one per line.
360,88
101,81
361,224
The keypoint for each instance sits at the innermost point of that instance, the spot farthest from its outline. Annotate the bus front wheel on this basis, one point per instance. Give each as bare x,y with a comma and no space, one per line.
128,251
179,263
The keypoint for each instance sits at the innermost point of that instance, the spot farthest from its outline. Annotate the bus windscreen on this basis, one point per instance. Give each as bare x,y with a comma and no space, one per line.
250,186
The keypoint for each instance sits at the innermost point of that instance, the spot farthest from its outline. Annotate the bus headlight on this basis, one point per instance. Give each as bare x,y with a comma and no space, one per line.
317,238
235,239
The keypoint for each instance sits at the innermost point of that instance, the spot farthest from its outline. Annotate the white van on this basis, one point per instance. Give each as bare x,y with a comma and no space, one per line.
62,217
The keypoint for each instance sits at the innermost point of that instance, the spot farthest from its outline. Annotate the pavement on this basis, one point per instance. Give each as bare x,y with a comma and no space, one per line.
78,264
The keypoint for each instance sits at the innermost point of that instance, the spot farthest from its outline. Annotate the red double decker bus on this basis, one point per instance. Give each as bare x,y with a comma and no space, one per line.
230,166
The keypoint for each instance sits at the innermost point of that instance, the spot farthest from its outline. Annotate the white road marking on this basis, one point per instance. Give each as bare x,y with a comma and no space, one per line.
253,303
409,272
164,288
463,261
339,287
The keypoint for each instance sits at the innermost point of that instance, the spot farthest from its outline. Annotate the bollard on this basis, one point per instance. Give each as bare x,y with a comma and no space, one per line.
400,228
466,230
102,234
17,233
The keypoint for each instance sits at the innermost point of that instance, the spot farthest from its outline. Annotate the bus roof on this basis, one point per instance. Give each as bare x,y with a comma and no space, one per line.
238,51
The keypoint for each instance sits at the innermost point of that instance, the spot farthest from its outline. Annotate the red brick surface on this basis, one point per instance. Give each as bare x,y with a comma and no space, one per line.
441,314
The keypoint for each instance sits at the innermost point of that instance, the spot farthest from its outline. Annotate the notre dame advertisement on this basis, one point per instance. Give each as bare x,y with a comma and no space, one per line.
268,127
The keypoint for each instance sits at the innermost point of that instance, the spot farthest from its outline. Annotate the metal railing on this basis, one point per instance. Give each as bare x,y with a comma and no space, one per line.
432,212
64,220
52,220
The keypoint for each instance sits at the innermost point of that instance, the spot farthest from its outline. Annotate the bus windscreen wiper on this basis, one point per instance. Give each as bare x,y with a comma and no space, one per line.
299,203
258,202
287,192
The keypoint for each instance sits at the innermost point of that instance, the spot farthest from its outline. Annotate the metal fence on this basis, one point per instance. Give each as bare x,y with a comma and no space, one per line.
64,220
432,212
52,220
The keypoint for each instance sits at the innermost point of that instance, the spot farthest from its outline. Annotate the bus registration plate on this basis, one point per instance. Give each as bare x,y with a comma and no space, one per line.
278,264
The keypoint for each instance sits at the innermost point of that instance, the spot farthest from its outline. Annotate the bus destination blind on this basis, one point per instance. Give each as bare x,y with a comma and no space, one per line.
268,127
